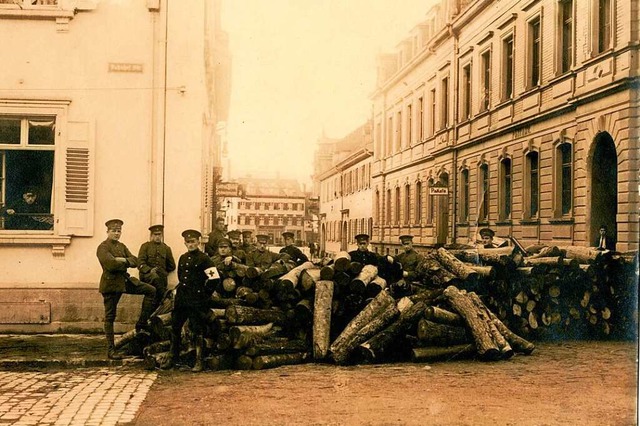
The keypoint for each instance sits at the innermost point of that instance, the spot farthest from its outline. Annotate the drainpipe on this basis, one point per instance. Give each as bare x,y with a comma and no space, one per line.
456,129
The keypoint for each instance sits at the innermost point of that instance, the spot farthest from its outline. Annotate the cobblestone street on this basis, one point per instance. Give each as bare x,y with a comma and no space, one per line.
79,397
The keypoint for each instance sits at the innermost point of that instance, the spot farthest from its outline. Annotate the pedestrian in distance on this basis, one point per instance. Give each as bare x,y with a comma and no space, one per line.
155,262
115,258
296,255
312,249
211,247
605,242
198,278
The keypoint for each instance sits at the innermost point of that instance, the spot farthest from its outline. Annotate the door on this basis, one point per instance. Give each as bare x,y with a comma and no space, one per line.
604,187
442,211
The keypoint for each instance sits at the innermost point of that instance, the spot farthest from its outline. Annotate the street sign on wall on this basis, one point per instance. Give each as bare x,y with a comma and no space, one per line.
227,189
438,190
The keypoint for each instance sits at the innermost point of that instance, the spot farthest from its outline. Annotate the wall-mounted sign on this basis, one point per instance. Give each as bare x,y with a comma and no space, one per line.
437,190
227,189
124,67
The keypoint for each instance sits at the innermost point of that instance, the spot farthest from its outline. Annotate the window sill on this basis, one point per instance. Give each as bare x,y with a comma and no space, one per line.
504,222
36,13
462,224
57,243
561,220
530,222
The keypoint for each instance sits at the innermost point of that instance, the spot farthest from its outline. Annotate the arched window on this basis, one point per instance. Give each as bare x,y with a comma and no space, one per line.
407,204
464,195
505,188
563,201
388,207
418,209
431,207
483,198
531,185
397,205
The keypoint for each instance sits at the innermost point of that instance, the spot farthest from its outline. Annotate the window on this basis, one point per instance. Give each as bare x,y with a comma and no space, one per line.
409,126
534,52
376,211
378,137
407,203
604,25
505,189
389,136
507,50
398,141
267,206
388,207
464,196
445,103
564,175
420,119
432,204
486,80
466,92
27,151
532,185
483,213
418,209
566,34
397,205
433,111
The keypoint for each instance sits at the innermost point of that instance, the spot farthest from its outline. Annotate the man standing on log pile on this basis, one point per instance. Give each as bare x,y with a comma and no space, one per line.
247,242
155,261
211,247
115,258
409,259
362,254
236,246
198,278
261,257
294,252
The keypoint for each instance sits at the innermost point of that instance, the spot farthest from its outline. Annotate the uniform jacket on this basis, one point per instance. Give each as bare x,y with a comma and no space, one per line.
364,257
262,259
211,246
194,288
114,274
296,254
156,255
240,254
409,262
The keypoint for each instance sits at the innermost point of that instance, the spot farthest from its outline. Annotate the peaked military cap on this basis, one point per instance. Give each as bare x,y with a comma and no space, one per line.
407,237
191,233
247,233
487,232
233,234
156,228
224,242
261,237
114,223
362,237
288,234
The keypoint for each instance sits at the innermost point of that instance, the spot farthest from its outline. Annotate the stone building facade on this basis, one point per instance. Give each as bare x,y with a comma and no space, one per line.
520,115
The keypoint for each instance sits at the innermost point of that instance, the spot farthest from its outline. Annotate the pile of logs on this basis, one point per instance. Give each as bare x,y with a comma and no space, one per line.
468,303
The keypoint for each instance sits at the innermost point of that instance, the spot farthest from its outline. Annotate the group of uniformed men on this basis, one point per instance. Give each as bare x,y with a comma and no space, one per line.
198,275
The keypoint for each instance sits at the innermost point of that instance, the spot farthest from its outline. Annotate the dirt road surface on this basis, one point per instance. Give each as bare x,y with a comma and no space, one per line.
569,383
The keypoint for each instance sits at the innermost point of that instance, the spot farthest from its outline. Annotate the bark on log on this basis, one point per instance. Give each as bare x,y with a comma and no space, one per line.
276,346
290,280
454,265
223,302
582,254
308,279
327,272
252,316
160,326
543,261
341,261
376,347
443,354
552,251
246,335
366,275
126,338
277,269
340,353
375,287
303,312
254,272
442,316
487,349
355,268
484,271
156,347
505,348
246,294
270,361
434,334
322,319
244,362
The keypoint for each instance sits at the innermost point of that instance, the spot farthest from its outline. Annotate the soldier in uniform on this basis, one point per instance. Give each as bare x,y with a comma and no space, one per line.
198,278
155,262
211,247
115,258
362,253
409,258
296,255
236,246
487,235
247,242
262,257
224,260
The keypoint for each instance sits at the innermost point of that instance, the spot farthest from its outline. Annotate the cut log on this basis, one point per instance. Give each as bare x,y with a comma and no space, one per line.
222,302
377,347
277,269
308,279
322,319
375,286
276,346
341,261
355,268
270,361
244,362
126,338
290,280
434,334
247,335
442,316
581,254
254,272
484,271
229,284
303,313
156,347
454,265
443,354
247,295
327,272
543,261
366,275
224,361
506,351
160,326
551,251
488,350
252,316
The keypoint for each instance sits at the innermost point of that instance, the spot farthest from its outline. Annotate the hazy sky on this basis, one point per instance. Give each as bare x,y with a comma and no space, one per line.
301,66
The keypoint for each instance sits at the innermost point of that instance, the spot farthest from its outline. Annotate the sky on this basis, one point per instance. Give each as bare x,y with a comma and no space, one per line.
301,67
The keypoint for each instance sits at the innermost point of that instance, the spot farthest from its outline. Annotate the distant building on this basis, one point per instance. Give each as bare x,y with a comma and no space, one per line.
344,181
269,207
518,115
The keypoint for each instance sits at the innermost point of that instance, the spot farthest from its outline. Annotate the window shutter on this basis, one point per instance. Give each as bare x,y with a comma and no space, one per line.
79,177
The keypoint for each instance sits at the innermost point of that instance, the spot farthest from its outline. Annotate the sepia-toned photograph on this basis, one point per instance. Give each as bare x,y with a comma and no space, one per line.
319,212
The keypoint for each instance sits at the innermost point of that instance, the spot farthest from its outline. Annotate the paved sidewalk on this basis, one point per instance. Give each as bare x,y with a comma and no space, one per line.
79,397
56,351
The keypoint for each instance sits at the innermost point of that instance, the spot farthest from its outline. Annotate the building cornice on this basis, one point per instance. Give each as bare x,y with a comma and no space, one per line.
356,157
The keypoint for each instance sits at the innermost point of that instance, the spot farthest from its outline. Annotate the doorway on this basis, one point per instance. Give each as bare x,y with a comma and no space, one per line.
604,187
442,219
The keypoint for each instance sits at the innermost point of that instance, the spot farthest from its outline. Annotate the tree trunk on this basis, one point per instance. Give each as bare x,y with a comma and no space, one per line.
253,316
375,287
308,279
341,261
276,346
322,319
254,272
543,261
245,335
503,345
355,268
244,362
157,347
551,251
224,361
160,326
366,275
223,302
484,271
278,269
327,272
289,281
247,295
454,265
434,334
376,347
303,313
443,354
582,254
270,361
443,316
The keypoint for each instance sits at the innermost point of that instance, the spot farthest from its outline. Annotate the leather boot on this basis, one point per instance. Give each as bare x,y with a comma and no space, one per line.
199,365
111,347
174,353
